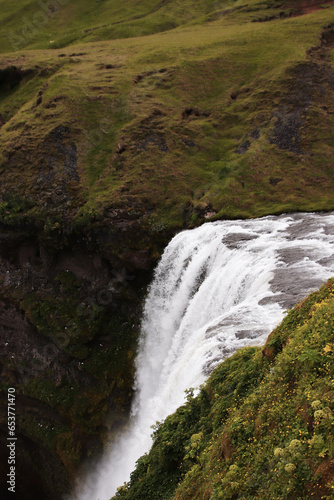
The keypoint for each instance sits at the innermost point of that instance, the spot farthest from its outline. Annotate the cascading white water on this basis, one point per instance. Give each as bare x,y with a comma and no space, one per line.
217,288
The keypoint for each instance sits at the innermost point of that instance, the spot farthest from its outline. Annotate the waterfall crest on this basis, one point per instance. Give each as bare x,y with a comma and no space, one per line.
217,288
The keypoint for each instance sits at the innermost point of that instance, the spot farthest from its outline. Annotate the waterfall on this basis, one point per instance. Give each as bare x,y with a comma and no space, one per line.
217,288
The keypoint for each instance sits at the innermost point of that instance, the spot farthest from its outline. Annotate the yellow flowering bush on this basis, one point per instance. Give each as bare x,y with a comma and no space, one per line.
290,468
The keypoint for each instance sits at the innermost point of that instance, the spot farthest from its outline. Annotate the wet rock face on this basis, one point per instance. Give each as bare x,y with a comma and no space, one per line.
26,356
68,328
236,240
31,484
32,354
291,276
292,292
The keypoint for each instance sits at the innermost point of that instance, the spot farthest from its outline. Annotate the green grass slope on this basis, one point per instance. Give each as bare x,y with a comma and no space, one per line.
229,115
262,425
41,23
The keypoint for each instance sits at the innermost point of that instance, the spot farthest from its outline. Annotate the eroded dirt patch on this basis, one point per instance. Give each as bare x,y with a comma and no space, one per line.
306,6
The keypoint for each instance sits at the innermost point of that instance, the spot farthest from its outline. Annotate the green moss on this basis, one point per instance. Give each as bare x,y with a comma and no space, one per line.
68,280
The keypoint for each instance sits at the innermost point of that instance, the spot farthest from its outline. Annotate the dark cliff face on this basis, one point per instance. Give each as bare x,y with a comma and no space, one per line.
107,150
69,321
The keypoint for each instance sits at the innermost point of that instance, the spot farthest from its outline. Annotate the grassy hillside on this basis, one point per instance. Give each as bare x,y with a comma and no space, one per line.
35,24
262,425
57,23
229,115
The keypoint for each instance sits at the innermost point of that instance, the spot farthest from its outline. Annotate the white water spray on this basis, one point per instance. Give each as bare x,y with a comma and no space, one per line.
217,288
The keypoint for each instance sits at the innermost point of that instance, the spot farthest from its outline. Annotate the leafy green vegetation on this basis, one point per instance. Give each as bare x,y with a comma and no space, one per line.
260,427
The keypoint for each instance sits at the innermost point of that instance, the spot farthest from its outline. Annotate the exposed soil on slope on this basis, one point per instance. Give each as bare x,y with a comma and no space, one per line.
306,6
